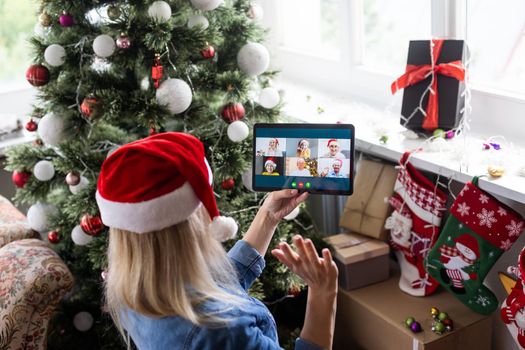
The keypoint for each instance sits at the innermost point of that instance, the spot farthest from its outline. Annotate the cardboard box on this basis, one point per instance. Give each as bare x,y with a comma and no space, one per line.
361,260
366,211
373,318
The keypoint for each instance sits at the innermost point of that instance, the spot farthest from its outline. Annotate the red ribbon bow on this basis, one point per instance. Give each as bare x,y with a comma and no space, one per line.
414,74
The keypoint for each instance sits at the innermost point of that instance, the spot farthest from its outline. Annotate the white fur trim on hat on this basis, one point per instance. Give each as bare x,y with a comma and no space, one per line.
152,215
223,228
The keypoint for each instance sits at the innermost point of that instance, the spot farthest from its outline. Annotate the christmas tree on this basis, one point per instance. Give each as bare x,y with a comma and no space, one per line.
110,72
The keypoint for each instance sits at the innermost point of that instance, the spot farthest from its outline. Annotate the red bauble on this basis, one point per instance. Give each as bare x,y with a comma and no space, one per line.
228,184
294,291
20,178
53,237
37,75
232,112
91,225
90,107
31,125
208,52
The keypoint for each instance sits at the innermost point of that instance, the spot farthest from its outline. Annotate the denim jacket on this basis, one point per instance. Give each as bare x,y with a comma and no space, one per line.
249,328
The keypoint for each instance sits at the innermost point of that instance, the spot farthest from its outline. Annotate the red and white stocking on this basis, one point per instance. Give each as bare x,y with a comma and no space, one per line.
513,308
414,226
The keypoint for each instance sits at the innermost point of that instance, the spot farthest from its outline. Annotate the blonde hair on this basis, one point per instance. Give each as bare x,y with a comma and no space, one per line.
169,273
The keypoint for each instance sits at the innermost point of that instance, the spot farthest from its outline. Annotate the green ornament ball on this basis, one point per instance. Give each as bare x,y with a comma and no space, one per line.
409,321
440,327
439,133
442,316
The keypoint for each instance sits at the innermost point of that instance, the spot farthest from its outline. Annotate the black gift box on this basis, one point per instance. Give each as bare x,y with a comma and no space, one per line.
450,90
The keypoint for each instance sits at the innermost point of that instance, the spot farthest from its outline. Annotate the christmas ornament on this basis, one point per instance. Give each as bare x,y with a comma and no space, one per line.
496,171
90,107
415,327
434,312
450,134
439,133
253,59
410,134
53,237
160,11
478,230
409,321
442,316
45,19
152,131
383,139
491,145
293,214
20,178
232,112
79,237
255,11
156,71
113,12
295,291
55,55
40,30
238,131
513,307
123,41
44,170
66,20
38,214
175,94
37,75
206,5
449,324
104,46
144,84
438,327
247,179
104,275
92,225
228,184
73,178
31,125
269,97
52,129
198,20
414,226
83,321
84,182
208,52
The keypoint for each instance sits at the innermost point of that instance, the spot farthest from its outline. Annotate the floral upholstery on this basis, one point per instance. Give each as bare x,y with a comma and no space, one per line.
13,224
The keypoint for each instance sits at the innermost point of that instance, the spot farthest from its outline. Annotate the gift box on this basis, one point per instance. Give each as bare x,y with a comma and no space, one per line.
374,318
366,210
361,260
442,103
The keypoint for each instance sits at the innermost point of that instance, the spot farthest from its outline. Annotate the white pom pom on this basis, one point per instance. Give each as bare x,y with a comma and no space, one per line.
206,5
238,131
104,45
223,228
293,214
253,59
269,97
198,20
38,216
84,182
44,170
160,11
83,321
52,129
175,94
79,237
55,55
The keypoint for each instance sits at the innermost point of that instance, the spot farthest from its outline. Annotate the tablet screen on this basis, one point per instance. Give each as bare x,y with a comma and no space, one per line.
317,158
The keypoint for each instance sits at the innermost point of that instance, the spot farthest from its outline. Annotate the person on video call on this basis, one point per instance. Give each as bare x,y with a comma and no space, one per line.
273,148
336,169
303,149
333,150
270,167
301,168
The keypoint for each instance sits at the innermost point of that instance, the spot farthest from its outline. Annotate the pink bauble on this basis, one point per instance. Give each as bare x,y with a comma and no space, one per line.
123,42
66,20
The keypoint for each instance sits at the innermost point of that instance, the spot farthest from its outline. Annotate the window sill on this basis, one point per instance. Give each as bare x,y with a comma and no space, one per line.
460,158
14,140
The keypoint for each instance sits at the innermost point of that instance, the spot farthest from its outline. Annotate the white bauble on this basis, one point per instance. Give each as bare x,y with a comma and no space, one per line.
144,84
198,20
238,131
38,216
104,45
55,55
293,214
255,11
83,321
206,5
84,182
253,59
40,30
52,129
175,94
247,179
269,97
160,11
79,237
44,170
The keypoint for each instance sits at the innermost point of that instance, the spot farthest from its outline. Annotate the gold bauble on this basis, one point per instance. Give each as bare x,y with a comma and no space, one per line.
434,311
496,171
45,19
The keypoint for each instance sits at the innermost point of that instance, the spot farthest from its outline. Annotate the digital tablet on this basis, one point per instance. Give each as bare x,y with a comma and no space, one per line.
317,158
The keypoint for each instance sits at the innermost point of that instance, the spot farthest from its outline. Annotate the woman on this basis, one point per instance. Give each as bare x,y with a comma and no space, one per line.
303,150
270,167
273,148
170,284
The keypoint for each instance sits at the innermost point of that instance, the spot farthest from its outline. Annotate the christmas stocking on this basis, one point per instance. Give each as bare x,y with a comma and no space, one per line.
513,308
478,230
414,226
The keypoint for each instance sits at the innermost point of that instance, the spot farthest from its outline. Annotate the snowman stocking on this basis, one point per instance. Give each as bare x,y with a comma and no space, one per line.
513,308
414,226
478,230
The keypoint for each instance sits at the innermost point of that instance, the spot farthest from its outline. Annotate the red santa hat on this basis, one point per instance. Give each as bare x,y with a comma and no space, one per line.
332,140
270,161
469,242
157,182
276,141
